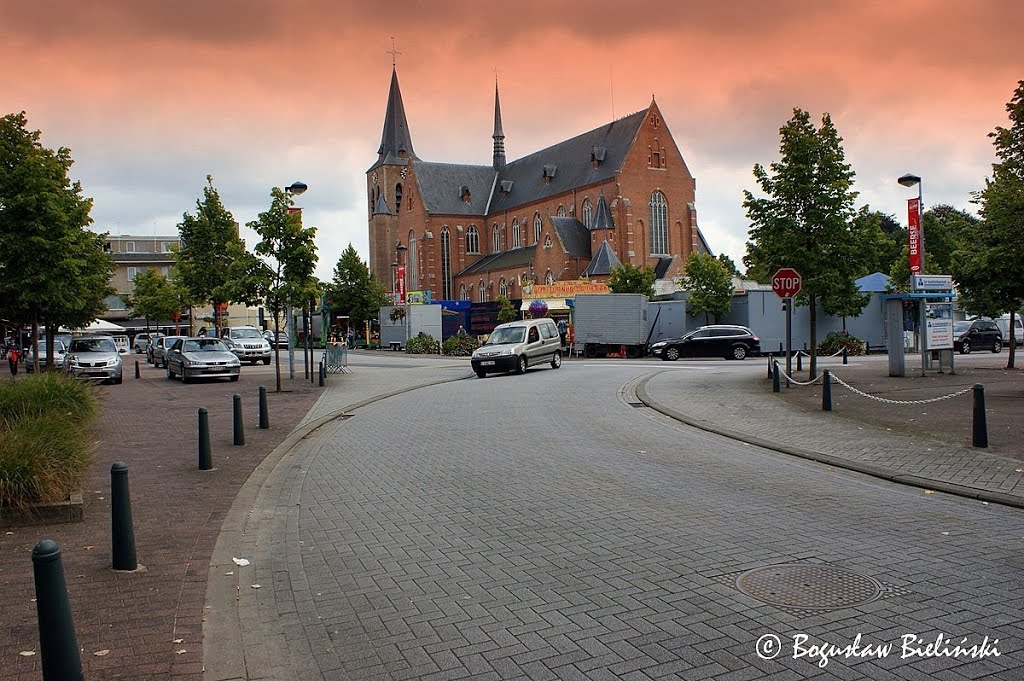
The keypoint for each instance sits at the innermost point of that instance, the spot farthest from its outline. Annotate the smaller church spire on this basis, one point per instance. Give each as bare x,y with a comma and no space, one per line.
499,135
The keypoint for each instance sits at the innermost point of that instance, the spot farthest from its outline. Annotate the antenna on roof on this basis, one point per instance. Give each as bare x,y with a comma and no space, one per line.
611,89
393,52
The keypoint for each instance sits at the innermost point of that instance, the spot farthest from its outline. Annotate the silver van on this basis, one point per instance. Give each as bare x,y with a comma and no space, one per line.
1018,329
516,346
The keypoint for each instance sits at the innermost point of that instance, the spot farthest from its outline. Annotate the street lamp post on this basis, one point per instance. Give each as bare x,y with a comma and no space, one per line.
294,189
400,248
909,180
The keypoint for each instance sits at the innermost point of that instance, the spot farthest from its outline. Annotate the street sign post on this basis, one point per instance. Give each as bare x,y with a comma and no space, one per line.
787,283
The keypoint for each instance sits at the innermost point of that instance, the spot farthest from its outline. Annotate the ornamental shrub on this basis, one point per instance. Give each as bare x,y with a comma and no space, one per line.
835,341
422,344
459,345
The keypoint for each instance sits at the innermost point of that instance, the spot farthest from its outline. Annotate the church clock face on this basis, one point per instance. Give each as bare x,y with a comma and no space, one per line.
374,177
405,172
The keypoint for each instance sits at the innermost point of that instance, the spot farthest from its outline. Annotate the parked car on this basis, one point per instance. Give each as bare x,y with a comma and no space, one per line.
95,358
247,343
282,338
157,350
1018,329
121,343
142,340
720,340
978,334
201,357
516,346
58,355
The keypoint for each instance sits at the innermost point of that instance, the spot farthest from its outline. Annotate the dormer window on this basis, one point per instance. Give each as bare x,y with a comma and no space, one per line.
464,194
505,186
597,155
550,170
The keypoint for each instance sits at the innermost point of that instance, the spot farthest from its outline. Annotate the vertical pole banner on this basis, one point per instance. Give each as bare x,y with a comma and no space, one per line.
914,235
400,284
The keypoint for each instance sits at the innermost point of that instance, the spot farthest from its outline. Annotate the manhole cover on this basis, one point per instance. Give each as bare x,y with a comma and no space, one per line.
810,586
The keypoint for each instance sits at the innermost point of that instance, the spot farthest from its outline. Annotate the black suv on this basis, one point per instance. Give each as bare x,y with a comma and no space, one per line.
980,334
731,342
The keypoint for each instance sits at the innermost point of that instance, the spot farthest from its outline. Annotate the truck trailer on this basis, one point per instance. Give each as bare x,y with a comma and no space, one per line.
611,323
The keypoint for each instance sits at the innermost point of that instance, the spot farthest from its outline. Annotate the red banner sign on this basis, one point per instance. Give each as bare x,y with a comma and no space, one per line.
914,234
400,284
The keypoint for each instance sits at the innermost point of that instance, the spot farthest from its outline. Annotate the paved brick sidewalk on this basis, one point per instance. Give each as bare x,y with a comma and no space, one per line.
150,622
927,445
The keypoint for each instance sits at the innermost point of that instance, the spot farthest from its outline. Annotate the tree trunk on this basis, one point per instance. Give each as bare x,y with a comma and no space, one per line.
1013,342
35,342
276,311
814,339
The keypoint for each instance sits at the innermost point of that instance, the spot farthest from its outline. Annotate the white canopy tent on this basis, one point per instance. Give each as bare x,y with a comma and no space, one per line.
98,325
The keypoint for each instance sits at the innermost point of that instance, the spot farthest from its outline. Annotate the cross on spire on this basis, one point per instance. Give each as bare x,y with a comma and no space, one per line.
393,52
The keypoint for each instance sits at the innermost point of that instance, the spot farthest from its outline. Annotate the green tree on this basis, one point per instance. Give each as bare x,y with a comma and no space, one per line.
806,218
891,238
729,264
204,260
353,291
280,272
988,268
628,278
506,313
709,284
154,297
53,270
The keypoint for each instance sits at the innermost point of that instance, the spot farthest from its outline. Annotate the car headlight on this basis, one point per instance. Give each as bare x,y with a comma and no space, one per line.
658,346
506,351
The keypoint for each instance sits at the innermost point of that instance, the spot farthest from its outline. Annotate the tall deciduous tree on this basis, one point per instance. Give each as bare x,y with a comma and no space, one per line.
205,257
154,297
281,271
805,219
629,278
709,284
353,291
53,270
988,268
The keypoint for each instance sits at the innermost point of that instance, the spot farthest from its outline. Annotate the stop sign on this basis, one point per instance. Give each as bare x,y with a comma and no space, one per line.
786,282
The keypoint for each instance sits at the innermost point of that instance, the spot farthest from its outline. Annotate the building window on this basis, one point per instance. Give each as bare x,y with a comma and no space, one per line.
537,224
129,246
398,197
463,294
481,292
495,239
515,233
446,264
658,224
472,240
132,271
547,241
503,287
549,278
561,211
412,266
588,213
165,247
114,302
166,271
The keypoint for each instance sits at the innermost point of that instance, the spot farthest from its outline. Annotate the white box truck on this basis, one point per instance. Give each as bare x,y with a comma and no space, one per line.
610,323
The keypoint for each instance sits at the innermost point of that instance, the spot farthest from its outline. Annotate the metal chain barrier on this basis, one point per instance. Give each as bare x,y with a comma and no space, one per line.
792,380
888,401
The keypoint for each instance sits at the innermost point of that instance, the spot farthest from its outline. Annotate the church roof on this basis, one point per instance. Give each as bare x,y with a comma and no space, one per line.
396,137
381,207
573,234
517,257
569,164
441,184
602,216
603,261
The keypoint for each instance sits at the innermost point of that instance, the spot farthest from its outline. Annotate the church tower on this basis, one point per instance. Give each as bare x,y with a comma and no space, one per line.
385,182
499,135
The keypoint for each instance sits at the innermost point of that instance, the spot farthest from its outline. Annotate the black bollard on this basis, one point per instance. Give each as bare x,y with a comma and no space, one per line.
845,359
826,391
323,374
57,645
137,374
122,533
264,412
239,431
775,378
980,438
799,361
205,457
769,366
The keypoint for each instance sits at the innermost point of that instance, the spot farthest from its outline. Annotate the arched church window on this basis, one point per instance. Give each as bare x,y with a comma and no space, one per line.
472,240
398,197
515,233
588,213
446,264
537,224
658,224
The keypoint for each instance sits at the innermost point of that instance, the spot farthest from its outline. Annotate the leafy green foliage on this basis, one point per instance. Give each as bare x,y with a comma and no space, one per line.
46,438
506,313
835,341
422,344
709,284
154,296
806,218
629,278
353,291
459,345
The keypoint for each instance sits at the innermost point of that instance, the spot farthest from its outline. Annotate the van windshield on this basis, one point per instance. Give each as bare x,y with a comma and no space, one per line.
504,336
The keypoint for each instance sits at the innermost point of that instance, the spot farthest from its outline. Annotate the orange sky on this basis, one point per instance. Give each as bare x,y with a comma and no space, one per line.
153,97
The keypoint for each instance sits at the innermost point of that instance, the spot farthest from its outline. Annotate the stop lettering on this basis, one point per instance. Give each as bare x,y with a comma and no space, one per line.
787,282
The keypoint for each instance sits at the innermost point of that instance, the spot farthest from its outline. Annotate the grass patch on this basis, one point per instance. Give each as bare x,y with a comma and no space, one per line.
46,438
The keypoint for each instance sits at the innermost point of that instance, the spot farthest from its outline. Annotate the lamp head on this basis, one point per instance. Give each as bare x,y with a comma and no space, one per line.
909,180
400,246
296,188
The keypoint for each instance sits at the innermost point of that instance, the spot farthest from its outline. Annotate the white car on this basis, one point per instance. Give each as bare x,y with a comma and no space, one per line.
248,343
94,357
58,355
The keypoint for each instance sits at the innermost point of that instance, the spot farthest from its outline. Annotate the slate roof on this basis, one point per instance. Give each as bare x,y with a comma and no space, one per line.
603,261
517,257
661,267
572,161
440,185
381,207
602,216
396,137
575,237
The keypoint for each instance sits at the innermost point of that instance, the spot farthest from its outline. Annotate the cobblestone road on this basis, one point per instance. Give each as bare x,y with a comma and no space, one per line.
514,528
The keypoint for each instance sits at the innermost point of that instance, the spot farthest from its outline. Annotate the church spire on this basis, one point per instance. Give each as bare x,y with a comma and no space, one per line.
499,135
396,142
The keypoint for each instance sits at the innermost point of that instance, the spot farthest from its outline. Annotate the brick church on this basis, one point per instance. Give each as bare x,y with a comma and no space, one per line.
618,193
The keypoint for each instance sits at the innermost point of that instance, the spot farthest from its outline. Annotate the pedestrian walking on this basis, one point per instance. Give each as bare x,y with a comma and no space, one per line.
563,330
351,337
13,357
